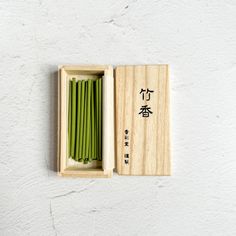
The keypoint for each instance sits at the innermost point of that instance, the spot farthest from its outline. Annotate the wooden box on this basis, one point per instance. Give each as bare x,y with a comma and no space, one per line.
135,124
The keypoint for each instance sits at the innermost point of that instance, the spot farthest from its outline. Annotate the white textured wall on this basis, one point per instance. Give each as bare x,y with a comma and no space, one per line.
197,39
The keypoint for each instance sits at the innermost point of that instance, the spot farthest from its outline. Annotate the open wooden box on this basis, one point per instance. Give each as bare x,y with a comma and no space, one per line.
135,124
66,166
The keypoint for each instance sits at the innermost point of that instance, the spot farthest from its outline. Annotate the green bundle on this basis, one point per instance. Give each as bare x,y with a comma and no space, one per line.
85,120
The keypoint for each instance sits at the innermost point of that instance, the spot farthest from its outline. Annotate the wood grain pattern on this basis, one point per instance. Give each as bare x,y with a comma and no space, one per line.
91,173
148,147
66,167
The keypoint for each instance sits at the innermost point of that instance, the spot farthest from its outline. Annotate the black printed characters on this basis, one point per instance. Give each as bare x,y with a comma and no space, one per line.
145,110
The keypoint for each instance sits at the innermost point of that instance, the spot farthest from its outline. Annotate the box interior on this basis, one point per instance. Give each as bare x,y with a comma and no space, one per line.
81,75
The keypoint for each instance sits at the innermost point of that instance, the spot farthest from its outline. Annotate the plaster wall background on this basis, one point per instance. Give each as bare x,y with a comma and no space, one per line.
197,39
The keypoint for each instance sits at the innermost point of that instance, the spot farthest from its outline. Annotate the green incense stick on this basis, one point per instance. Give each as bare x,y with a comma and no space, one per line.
82,121
100,119
78,120
101,89
73,117
85,122
88,134
97,119
93,123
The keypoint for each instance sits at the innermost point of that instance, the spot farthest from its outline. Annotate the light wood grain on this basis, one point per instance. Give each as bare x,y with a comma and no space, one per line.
66,167
108,127
149,139
92,173
63,118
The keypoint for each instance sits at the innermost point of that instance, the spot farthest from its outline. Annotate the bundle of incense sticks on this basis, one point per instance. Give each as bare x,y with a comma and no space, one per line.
85,120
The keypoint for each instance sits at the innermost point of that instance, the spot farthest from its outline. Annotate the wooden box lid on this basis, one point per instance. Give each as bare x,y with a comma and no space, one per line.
142,120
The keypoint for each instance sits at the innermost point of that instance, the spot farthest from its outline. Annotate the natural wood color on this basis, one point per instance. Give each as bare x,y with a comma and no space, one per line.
93,173
64,169
119,104
88,68
108,143
58,120
149,139
63,119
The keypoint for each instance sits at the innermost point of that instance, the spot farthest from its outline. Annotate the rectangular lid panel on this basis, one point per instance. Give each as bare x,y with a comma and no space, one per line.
142,120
